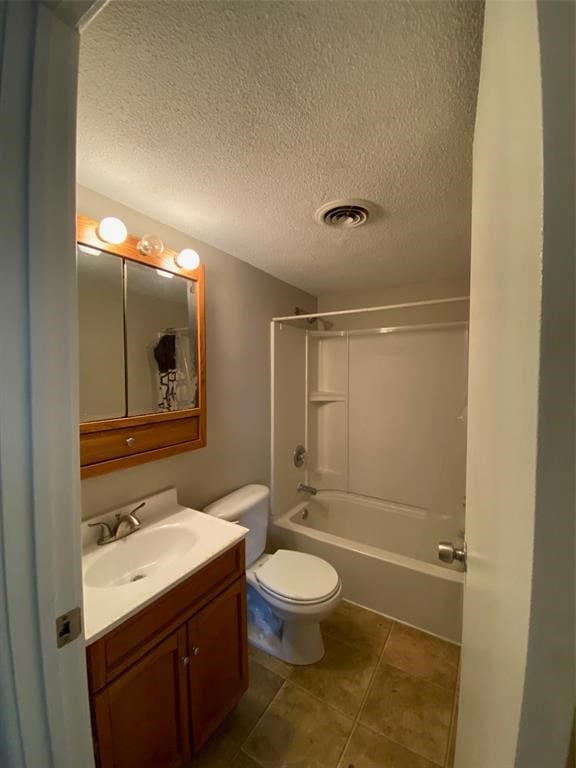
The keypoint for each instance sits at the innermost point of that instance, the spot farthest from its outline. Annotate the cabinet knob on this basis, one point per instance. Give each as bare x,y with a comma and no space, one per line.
195,650
185,660
130,441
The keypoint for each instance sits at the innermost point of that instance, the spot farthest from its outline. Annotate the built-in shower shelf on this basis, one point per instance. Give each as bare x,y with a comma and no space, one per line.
326,397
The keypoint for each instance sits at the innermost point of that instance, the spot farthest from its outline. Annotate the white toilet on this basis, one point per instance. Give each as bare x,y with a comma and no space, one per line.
289,593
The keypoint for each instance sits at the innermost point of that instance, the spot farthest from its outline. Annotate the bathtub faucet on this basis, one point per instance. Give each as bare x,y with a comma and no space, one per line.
302,488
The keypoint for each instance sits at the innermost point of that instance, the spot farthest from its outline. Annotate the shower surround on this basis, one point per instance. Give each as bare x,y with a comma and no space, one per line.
382,413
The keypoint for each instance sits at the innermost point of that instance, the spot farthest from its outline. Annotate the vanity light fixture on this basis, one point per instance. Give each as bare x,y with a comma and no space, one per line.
163,273
112,230
150,245
187,259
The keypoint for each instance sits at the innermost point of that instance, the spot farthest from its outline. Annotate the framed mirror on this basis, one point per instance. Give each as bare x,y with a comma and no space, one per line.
161,348
141,353
101,335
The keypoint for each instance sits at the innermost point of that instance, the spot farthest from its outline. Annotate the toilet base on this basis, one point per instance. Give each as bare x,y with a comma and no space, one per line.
290,631
299,644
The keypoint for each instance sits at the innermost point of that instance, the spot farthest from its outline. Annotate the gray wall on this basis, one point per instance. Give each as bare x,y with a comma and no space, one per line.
240,302
549,692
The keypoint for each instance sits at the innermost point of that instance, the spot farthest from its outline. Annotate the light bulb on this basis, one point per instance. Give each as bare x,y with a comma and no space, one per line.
151,245
163,273
112,230
89,250
187,259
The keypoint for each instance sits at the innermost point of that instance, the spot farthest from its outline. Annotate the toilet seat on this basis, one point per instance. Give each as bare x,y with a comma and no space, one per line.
297,577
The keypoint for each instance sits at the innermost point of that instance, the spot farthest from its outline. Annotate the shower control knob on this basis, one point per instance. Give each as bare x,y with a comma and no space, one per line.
299,455
447,552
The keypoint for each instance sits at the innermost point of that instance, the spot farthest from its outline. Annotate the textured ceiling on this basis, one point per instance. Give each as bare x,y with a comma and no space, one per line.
234,121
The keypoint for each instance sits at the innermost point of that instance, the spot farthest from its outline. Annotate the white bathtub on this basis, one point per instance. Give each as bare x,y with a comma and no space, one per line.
384,555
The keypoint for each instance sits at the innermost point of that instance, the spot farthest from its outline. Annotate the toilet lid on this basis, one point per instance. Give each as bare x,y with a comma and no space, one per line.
298,576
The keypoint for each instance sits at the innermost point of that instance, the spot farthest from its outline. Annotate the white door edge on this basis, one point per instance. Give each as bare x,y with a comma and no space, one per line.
44,714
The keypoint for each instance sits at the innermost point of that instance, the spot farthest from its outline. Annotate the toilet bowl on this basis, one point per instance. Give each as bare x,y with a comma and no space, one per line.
279,579
289,593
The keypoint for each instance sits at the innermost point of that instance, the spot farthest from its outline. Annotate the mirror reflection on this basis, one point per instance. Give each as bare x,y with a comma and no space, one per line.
161,354
138,339
101,335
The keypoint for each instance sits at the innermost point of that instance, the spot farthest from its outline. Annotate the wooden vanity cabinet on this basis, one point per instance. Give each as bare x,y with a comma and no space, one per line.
217,665
162,682
142,718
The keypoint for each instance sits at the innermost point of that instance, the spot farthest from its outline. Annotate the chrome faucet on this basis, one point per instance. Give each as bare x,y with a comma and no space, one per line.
124,526
303,488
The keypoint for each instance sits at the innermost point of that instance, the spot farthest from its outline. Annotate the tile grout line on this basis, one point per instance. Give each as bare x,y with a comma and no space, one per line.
356,719
318,698
400,624
272,700
422,679
364,697
338,639
368,691
453,722
315,696
454,717
353,718
415,677
399,744
404,624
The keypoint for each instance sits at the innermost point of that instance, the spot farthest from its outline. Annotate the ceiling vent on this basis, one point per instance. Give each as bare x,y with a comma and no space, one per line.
344,214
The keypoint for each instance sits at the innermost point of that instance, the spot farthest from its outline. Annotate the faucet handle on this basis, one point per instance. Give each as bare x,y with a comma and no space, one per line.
136,508
132,513
129,517
106,534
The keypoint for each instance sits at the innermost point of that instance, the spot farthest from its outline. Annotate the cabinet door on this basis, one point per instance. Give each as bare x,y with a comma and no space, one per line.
218,670
141,719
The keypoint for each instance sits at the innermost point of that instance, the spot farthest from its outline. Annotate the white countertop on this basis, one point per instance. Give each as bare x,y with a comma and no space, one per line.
199,538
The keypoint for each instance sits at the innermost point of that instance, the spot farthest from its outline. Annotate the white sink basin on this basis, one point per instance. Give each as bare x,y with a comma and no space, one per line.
172,543
139,555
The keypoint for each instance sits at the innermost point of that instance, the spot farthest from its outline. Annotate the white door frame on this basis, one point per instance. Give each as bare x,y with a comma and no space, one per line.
44,712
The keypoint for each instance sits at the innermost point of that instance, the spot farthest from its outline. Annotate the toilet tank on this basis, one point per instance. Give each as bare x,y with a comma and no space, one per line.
249,507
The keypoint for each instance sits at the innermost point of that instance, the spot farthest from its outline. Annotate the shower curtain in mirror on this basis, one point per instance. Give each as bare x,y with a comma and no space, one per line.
175,371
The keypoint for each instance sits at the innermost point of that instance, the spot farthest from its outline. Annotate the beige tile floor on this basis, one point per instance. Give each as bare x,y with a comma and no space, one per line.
383,696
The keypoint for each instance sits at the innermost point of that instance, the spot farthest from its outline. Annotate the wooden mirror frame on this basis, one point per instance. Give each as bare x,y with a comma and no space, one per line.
112,444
